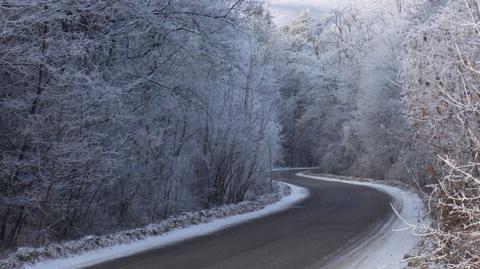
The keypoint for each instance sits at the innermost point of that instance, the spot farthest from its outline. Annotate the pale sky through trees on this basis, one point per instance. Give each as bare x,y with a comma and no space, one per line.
286,10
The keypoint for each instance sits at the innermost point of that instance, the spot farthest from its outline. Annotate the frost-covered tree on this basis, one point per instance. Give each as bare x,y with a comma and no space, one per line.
343,91
377,135
115,113
315,87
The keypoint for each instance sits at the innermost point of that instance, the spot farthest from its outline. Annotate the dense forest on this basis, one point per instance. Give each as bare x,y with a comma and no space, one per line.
115,114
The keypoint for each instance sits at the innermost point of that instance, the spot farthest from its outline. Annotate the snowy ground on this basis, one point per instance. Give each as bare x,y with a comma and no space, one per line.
385,246
280,169
93,257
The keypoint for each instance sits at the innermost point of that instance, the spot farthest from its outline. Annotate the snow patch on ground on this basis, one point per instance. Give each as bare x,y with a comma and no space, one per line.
91,250
281,169
387,244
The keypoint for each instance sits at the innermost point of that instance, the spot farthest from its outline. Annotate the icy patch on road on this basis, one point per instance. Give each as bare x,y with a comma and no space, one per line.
386,246
232,215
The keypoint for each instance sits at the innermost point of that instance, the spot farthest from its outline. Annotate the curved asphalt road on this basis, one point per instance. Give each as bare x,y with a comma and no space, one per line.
334,217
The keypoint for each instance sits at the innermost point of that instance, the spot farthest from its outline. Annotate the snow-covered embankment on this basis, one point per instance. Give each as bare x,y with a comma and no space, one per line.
91,250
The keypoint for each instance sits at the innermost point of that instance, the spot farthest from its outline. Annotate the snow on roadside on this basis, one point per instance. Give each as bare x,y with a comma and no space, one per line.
96,249
387,247
281,169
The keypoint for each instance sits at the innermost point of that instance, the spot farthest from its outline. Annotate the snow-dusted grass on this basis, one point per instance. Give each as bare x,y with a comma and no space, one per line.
95,249
386,246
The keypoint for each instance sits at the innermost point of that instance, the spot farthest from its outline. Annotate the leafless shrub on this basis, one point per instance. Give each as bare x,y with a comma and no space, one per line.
443,101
